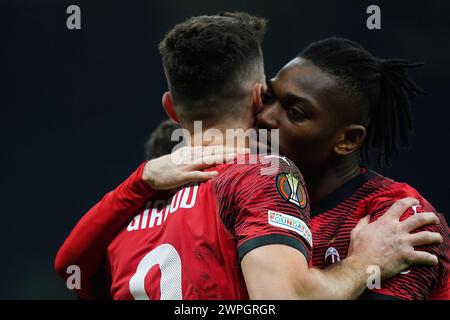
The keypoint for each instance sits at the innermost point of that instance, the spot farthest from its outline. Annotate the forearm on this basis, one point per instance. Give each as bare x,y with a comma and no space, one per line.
345,280
87,243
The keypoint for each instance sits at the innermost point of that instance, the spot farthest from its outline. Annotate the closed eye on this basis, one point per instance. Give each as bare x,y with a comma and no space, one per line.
295,112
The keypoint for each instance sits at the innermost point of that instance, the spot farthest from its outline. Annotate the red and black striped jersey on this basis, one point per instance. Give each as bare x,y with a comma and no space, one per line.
333,218
187,244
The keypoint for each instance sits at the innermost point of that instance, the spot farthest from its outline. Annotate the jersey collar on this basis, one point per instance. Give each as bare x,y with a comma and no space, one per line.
342,193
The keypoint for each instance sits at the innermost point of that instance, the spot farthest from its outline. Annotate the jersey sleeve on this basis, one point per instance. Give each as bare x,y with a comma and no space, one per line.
266,207
417,282
87,243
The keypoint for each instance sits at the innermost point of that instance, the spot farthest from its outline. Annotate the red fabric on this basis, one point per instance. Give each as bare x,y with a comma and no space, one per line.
184,245
245,196
331,230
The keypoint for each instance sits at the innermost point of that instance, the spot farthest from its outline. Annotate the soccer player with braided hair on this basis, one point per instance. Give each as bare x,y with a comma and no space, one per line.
238,234
335,105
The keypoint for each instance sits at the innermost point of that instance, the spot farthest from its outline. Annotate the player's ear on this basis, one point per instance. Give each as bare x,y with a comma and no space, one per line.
350,139
257,92
168,105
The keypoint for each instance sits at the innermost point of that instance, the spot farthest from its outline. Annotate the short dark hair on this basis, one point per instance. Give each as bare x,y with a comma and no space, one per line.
159,143
383,90
208,58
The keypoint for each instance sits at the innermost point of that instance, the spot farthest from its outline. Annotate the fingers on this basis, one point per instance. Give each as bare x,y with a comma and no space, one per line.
419,220
212,156
423,258
213,150
210,161
200,176
399,207
222,150
225,149
425,238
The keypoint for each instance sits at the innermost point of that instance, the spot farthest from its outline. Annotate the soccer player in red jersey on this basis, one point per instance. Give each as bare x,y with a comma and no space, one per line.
334,103
240,234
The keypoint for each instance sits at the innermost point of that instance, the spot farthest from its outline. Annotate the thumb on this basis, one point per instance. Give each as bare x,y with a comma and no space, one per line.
201,176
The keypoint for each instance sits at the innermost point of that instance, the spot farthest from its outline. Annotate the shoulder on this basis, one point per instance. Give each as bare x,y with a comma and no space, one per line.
390,191
255,167
379,203
265,176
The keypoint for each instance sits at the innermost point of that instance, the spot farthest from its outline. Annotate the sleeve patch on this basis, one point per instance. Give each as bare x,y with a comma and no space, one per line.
292,223
291,189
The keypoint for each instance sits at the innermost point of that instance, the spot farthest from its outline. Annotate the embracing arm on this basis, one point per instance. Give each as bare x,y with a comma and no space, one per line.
281,272
87,244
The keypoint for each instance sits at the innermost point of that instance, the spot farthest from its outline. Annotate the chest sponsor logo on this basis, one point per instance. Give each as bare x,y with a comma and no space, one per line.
292,223
291,189
332,256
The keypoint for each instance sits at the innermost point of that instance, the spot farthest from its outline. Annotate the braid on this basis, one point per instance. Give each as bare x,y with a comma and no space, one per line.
391,120
382,86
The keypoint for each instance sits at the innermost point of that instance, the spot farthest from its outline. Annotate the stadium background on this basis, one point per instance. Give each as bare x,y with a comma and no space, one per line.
78,106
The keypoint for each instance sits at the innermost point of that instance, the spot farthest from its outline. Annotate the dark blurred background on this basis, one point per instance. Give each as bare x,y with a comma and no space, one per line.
78,106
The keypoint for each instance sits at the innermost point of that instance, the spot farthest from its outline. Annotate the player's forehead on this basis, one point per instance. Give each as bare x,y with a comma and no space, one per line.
301,76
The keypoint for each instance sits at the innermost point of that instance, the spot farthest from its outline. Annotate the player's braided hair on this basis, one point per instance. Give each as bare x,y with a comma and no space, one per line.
383,86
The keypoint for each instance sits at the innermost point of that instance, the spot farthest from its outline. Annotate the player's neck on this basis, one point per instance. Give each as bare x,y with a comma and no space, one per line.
325,181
